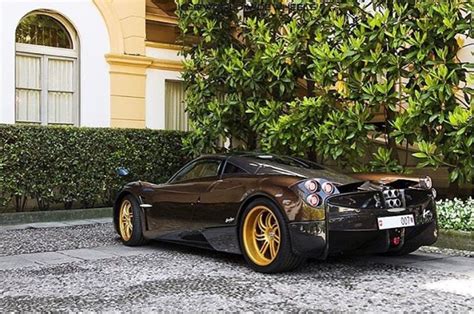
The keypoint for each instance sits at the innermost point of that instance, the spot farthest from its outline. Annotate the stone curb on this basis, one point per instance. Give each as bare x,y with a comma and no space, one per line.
453,239
56,224
457,233
54,215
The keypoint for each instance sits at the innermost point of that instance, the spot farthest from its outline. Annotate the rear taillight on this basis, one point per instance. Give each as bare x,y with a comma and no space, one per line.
311,185
328,188
313,192
313,200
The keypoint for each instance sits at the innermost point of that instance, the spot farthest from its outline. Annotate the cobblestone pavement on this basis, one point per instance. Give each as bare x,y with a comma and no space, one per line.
31,240
82,268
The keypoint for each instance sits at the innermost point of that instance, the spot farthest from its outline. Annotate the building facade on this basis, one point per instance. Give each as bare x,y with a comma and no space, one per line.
92,63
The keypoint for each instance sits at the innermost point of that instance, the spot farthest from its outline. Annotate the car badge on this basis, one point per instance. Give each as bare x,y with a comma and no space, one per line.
427,214
229,220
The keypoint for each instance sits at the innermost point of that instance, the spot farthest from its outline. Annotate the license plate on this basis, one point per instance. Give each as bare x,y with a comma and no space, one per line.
396,222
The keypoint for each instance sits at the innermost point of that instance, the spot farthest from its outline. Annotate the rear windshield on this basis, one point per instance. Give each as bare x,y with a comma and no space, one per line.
288,161
262,164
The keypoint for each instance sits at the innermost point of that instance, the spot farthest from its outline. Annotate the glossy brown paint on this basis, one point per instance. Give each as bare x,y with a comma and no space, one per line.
213,202
172,206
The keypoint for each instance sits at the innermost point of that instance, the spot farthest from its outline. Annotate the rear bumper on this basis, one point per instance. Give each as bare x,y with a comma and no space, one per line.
312,239
370,242
356,230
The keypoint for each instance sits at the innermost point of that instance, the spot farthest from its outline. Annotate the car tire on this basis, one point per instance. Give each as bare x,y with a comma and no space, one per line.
129,222
265,239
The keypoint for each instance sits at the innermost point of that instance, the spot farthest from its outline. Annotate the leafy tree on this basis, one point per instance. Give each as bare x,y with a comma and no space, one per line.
308,77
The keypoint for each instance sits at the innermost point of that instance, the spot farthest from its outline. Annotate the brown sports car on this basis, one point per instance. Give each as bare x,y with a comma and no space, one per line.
277,210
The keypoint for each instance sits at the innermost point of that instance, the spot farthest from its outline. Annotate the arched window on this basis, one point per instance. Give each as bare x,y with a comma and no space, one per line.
46,77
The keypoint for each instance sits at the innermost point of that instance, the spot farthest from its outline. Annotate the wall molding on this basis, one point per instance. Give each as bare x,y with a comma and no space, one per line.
143,62
153,44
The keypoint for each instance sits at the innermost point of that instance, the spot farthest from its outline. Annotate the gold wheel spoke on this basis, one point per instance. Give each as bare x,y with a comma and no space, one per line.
268,220
264,248
261,224
260,239
273,249
276,238
260,236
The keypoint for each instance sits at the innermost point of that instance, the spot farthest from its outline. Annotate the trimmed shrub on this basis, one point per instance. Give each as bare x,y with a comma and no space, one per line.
456,214
76,166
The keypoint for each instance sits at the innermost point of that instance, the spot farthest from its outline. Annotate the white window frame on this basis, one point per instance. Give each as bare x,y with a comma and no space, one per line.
45,53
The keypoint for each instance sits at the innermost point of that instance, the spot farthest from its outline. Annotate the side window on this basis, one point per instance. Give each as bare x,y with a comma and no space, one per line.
233,169
199,169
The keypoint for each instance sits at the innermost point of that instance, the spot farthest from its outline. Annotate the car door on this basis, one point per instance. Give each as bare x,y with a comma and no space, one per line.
219,204
173,204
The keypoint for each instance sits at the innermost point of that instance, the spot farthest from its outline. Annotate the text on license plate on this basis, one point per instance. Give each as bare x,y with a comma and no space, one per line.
395,222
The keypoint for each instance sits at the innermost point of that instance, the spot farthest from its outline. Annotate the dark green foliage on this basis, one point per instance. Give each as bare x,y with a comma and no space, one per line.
456,214
70,165
249,73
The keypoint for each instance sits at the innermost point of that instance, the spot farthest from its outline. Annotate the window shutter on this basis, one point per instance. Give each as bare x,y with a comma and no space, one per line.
60,91
175,115
28,88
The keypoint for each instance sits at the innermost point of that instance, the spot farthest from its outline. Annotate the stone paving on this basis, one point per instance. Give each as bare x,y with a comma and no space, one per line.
31,238
88,269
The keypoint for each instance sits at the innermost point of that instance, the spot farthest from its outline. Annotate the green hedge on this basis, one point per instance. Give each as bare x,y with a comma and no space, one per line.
64,167
456,214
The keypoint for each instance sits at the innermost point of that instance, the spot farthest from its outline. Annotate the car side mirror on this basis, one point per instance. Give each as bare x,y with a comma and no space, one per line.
122,171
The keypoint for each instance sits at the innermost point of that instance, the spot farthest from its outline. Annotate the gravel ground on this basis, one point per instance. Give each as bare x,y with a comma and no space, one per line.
15,242
172,279
177,278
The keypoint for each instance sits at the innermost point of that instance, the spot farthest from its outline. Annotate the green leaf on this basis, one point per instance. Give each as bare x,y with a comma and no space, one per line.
419,155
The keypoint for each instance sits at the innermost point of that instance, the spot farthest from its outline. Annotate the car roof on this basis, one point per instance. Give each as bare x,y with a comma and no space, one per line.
272,164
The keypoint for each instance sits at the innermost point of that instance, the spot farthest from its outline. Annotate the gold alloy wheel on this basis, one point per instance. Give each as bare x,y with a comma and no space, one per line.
261,235
126,220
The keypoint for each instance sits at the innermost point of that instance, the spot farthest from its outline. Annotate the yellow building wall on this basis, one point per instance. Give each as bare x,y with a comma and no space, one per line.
126,24
125,20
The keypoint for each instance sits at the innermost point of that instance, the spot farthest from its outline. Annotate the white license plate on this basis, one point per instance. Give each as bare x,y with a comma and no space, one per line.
396,222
